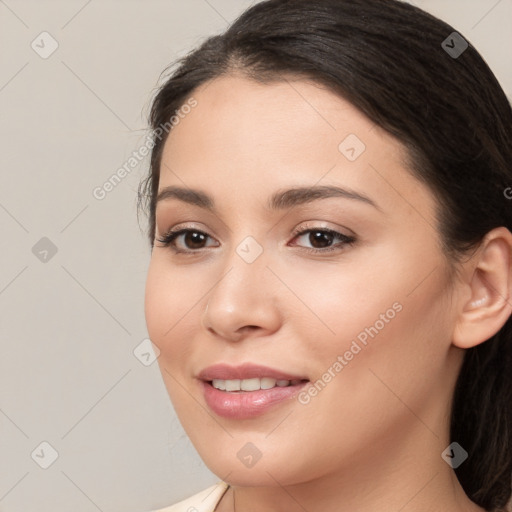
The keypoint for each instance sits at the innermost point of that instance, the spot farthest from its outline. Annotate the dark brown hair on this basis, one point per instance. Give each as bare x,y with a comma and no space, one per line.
399,66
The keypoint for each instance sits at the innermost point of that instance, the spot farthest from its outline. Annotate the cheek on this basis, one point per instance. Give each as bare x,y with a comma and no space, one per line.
172,311
155,304
344,306
166,302
364,393
392,352
378,318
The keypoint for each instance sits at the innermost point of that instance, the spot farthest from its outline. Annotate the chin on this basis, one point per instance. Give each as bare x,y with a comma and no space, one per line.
268,471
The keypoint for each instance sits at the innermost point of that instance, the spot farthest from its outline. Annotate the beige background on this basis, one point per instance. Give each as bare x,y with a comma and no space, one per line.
69,324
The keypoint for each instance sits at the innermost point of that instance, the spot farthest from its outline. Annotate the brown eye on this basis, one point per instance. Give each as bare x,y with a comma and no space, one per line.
322,238
192,239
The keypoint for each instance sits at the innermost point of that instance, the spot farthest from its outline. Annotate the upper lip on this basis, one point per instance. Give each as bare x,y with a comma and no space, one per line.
244,371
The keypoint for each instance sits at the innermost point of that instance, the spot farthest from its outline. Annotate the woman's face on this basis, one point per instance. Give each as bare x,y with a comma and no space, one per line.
367,319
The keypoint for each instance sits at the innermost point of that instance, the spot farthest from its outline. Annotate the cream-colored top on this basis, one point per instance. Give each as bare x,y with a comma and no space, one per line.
203,501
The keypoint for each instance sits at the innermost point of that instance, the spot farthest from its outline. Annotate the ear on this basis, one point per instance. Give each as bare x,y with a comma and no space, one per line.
489,288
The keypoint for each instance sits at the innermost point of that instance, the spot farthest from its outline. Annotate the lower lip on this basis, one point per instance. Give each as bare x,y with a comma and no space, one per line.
247,404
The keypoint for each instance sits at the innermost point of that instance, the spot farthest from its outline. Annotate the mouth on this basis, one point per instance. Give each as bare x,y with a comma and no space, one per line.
246,371
247,390
254,384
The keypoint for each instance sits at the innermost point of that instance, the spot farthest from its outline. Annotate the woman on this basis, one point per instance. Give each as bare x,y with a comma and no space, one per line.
330,278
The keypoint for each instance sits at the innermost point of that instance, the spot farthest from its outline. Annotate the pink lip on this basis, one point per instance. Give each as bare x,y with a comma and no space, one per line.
246,404
244,371
240,405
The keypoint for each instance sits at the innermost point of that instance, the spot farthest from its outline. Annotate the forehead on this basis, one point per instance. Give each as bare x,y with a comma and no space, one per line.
240,113
249,139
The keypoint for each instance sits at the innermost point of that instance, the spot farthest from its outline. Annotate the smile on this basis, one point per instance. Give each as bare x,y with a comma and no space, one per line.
247,390
234,385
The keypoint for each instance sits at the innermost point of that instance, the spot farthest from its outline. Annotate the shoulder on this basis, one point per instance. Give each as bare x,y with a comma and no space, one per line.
204,501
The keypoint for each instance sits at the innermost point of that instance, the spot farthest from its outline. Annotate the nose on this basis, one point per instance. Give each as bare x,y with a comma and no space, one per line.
244,301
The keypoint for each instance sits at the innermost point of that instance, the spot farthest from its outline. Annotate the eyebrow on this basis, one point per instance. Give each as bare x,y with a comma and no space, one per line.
280,200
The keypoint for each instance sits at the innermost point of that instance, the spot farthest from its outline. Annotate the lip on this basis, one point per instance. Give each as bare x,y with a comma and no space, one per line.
246,404
245,371
241,405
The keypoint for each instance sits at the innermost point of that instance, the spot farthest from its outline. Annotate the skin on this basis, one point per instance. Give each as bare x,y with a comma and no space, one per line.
372,438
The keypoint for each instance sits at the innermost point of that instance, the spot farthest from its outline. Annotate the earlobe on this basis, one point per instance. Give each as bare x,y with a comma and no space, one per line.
489,281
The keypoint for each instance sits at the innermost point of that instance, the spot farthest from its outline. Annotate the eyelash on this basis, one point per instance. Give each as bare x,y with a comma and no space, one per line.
168,239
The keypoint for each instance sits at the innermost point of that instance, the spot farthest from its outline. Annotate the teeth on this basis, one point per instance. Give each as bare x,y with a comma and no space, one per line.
250,384
267,383
219,384
232,385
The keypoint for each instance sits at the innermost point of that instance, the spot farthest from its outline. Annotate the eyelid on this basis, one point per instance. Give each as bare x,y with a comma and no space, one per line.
319,225
181,226
295,231
178,230
168,239
313,226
